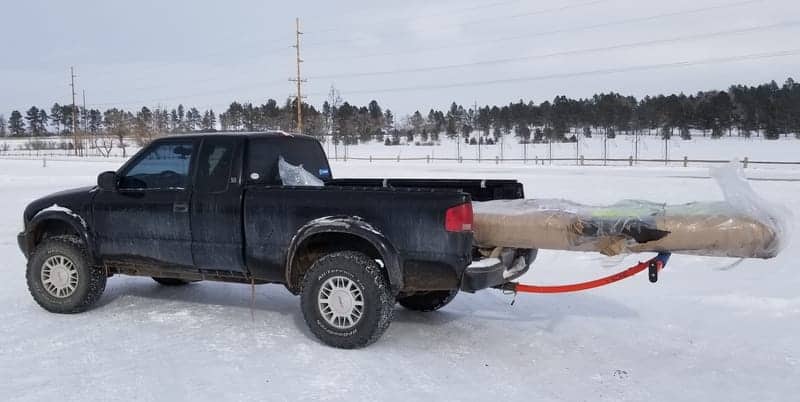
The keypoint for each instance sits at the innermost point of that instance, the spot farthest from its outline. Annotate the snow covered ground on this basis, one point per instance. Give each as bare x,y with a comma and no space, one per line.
786,149
708,330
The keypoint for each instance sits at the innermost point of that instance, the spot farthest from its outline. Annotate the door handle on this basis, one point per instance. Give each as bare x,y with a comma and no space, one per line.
180,207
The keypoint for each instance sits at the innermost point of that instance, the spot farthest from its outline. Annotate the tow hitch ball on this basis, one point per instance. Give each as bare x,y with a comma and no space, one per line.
652,271
655,265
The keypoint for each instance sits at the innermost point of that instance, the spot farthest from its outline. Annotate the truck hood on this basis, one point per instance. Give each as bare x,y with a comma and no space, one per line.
76,199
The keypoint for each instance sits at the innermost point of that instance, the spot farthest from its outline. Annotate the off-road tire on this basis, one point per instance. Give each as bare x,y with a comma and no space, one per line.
428,301
170,281
378,300
91,280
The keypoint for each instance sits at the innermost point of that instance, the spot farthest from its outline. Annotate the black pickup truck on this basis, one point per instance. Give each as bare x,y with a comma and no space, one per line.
218,207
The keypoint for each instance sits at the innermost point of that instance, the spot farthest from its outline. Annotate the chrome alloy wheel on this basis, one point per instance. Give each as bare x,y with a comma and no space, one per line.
341,302
59,276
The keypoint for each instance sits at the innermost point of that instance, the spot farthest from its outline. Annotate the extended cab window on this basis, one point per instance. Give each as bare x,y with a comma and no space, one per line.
165,166
214,166
263,153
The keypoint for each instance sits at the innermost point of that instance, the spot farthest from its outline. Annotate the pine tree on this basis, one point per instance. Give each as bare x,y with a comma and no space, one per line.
65,118
43,119
95,121
56,117
375,117
388,121
181,122
3,126
32,116
212,118
15,124
174,121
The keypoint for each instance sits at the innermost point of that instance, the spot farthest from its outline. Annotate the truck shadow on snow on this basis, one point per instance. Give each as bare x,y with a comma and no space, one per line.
484,310
544,313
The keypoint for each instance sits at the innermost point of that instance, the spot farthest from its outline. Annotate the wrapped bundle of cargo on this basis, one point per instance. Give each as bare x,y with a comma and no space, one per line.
744,225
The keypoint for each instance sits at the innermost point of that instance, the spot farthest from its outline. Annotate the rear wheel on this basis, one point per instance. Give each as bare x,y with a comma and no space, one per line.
60,277
170,281
428,301
346,300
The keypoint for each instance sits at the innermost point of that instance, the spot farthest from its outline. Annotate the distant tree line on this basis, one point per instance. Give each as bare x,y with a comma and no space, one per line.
769,110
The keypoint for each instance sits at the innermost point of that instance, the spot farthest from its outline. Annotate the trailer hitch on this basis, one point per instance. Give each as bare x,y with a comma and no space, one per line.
653,265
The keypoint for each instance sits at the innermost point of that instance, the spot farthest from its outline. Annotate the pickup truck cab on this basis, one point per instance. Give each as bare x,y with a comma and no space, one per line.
260,208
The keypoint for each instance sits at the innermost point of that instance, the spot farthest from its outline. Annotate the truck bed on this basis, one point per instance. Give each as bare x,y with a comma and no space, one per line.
479,190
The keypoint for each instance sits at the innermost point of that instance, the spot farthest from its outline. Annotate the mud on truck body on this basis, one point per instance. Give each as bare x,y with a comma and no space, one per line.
215,207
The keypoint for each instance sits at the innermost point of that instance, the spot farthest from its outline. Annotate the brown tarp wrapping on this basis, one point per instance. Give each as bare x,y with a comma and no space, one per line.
743,225
698,228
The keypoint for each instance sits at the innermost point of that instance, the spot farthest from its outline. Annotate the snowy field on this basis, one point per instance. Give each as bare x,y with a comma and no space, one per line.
621,147
709,330
650,148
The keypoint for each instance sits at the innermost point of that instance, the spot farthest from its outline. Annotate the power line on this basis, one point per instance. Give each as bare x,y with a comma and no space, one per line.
449,12
754,56
505,39
564,53
477,21
509,38
250,85
718,60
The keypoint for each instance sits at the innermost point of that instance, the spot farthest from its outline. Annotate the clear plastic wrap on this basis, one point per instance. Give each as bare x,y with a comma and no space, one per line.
292,175
744,225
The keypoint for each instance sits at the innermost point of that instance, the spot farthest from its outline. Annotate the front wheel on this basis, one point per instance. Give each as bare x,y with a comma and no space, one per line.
346,300
428,301
60,277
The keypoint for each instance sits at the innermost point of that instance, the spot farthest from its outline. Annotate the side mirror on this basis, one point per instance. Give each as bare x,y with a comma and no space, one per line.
107,181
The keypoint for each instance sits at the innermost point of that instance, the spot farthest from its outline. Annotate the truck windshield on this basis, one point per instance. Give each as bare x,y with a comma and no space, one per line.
263,154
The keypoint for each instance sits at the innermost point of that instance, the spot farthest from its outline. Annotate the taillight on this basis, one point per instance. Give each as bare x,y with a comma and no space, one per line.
458,218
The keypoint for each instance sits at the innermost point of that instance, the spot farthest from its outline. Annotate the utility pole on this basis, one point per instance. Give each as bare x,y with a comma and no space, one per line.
298,80
474,126
74,111
85,113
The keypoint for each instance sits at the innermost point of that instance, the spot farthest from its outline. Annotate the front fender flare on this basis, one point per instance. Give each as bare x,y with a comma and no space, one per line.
351,225
75,221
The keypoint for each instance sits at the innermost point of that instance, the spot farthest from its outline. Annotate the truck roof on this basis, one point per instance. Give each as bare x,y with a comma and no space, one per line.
248,134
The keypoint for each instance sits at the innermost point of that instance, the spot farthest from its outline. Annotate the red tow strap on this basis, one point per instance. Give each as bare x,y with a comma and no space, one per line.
655,265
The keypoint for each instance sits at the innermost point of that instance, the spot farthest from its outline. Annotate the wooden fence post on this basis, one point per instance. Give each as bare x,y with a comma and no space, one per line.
744,163
685,161
581,160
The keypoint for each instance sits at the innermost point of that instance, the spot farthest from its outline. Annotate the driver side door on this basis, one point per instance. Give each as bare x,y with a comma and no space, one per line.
146,220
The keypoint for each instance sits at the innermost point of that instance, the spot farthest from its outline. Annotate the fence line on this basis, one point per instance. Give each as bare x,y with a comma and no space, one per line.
581,161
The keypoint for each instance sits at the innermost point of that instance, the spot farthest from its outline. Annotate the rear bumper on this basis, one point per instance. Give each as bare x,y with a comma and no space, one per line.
492,272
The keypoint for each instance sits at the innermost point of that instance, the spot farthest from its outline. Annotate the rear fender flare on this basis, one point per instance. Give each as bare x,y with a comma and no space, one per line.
351,225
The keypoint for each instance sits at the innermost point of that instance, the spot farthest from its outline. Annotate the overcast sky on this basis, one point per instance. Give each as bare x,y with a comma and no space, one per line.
206,54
